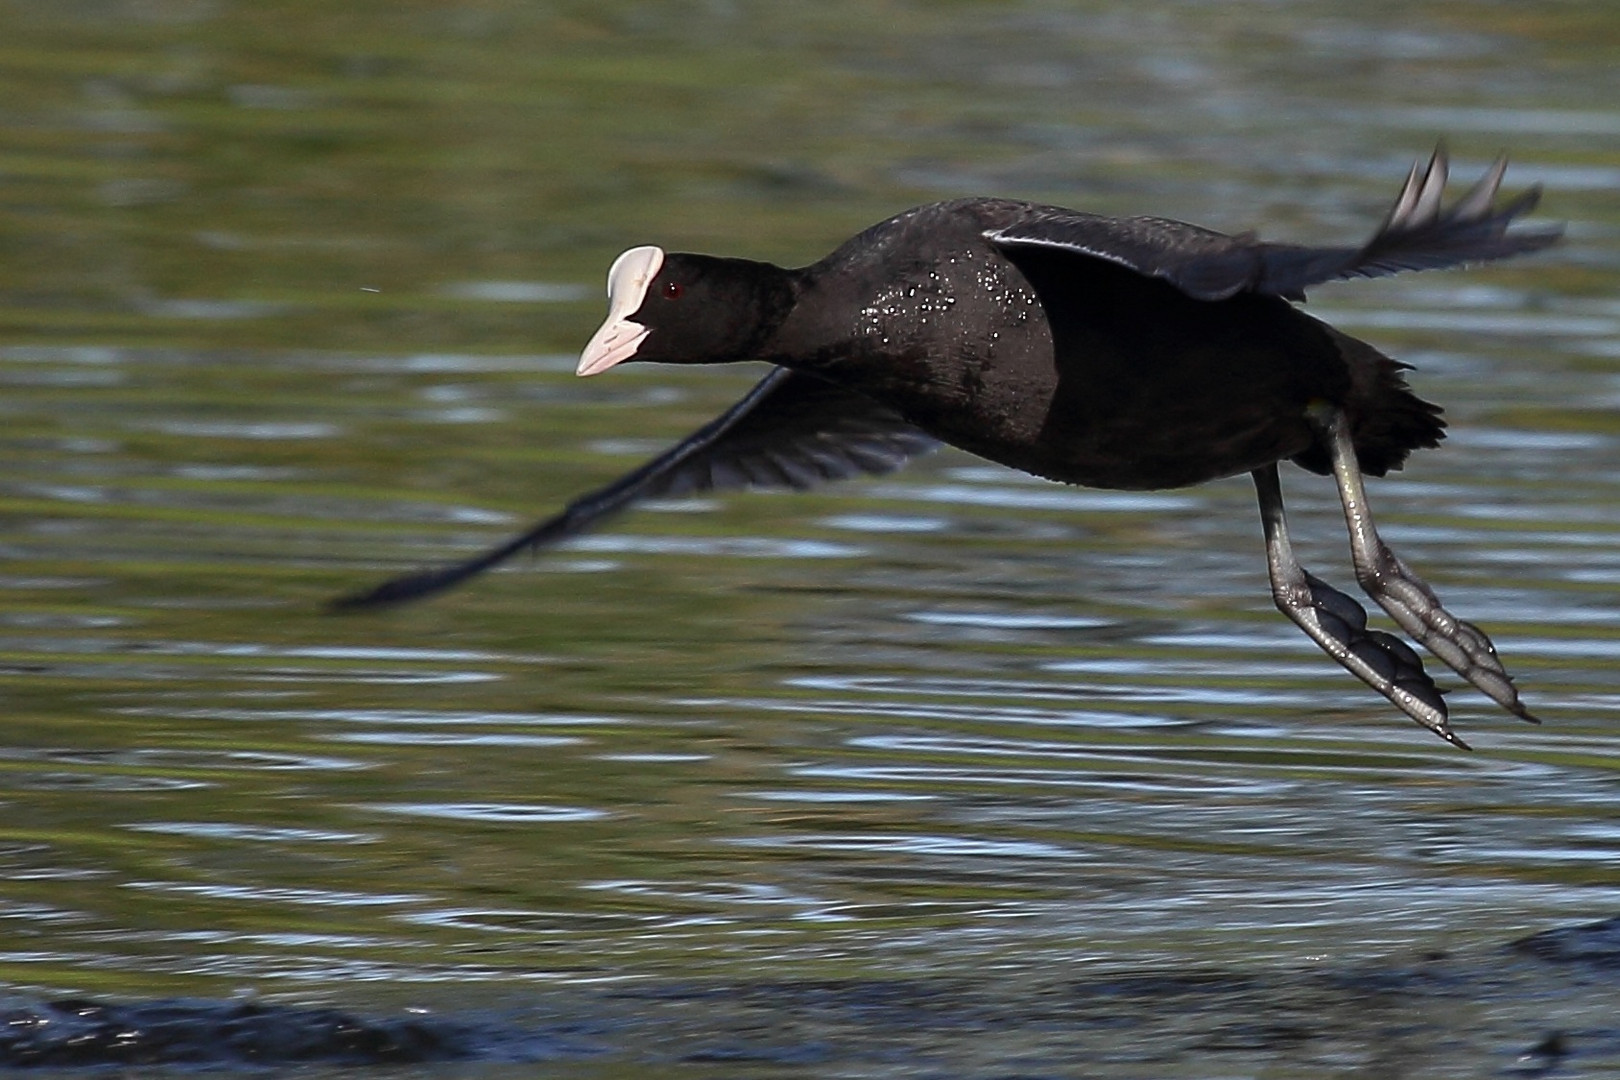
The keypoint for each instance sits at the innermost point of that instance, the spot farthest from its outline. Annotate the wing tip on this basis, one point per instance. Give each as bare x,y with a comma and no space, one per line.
409,587
1419,206
389,593
1421,233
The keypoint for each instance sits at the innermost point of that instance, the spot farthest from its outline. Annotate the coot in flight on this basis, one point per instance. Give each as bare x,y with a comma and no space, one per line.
1132,353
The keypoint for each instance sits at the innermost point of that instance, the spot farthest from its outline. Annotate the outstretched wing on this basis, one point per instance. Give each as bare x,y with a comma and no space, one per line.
1418,234
790,431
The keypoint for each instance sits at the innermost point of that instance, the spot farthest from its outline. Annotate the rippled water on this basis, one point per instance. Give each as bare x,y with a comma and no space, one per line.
290,299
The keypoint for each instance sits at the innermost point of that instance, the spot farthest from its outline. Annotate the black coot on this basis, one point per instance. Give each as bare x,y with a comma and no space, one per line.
1129,353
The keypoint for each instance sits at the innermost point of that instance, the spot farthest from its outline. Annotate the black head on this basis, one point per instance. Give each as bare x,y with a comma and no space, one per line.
687,309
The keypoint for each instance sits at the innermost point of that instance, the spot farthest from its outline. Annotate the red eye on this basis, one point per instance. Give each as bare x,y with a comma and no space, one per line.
673,290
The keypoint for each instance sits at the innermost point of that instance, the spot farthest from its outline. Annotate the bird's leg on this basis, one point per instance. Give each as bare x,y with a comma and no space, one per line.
1461,645
1339,625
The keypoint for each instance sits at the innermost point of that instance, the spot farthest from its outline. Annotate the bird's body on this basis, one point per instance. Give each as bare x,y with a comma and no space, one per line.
1132,353
1081,370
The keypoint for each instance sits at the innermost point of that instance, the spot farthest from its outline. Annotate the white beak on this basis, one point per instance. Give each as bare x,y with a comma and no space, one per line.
620,337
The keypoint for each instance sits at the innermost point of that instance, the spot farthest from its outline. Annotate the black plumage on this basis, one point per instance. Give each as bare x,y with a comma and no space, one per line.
1134,353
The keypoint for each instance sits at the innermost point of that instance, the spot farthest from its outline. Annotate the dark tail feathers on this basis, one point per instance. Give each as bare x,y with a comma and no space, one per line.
1387,420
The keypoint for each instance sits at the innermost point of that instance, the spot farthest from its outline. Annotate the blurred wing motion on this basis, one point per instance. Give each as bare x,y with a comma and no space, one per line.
1418,234
790,431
